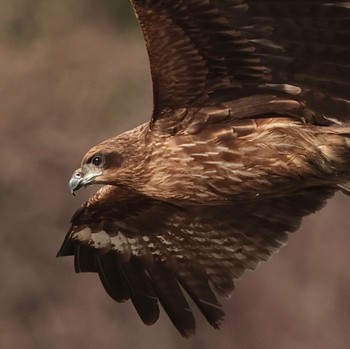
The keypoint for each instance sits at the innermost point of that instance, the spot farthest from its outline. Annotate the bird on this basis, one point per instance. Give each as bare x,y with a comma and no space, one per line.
248,136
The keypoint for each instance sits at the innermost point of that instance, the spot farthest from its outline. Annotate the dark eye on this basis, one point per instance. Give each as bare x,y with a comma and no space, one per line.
98,160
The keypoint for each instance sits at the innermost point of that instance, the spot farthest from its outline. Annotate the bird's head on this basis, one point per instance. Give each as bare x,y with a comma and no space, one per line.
99,166
116,161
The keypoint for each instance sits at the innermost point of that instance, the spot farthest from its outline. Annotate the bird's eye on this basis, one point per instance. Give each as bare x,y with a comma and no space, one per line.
97,160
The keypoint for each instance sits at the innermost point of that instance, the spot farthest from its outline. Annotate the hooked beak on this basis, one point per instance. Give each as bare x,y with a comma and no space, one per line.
82,177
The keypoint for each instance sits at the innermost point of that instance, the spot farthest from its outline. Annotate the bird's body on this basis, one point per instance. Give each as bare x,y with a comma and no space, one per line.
229,160
246,138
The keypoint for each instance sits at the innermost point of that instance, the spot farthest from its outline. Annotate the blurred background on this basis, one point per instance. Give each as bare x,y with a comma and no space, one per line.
73,73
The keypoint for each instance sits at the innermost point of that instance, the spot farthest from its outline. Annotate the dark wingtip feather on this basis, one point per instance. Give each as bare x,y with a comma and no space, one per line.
124,281
67,248
142,293
84,260
172,299
196,284
111,278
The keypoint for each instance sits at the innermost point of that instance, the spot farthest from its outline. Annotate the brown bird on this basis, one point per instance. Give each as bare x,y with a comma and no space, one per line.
246,139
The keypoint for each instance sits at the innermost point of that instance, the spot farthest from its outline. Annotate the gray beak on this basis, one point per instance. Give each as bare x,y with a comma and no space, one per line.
75,182
83,177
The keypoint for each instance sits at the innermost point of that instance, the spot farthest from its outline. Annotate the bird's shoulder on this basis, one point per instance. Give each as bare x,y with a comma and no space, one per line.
241,114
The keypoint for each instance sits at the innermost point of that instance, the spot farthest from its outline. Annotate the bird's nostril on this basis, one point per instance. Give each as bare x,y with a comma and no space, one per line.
77,175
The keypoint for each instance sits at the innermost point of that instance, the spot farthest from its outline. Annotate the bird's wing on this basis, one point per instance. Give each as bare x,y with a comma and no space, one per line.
205,51
144,249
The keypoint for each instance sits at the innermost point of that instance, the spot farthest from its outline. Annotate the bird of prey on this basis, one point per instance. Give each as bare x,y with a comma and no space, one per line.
248,135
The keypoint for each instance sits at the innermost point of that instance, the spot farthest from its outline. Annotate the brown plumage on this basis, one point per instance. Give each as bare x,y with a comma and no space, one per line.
244,141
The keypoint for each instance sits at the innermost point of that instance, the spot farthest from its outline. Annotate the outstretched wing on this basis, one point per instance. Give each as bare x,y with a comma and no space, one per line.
144,249
205,51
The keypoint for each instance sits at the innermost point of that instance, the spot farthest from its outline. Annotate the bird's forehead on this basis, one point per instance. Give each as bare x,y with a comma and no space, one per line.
93,151
104,148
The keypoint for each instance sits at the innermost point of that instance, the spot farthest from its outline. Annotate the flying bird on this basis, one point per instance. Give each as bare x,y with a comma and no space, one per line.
248,135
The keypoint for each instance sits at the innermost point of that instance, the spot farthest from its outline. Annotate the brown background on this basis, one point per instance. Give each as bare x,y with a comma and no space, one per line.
73,73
